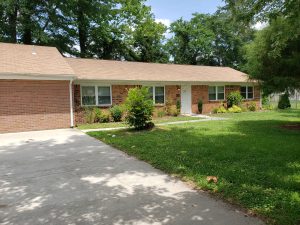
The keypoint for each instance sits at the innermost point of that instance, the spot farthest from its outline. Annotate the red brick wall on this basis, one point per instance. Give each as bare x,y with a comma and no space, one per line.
172,93
27,105
201,92
119,95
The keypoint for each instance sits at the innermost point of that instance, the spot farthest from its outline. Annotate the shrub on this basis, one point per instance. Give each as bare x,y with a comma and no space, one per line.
89,115
235,109
252,106
161,112
173,111
178,106
200,105
139,108
284,101
98,114
220,109
116,113
104,117
234,98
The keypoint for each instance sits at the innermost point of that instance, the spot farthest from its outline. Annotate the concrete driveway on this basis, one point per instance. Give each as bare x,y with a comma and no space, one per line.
67,177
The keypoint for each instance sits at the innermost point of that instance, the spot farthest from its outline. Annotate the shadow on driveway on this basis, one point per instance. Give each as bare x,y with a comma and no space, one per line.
67,177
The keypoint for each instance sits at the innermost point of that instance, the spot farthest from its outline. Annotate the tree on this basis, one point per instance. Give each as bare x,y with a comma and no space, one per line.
213,40
148,40
192,40
106,29
274,55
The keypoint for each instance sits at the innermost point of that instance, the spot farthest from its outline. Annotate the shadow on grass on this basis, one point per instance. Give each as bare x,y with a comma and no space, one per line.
257,162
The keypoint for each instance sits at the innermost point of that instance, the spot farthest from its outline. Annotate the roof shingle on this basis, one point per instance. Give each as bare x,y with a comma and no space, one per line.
32,60
94,69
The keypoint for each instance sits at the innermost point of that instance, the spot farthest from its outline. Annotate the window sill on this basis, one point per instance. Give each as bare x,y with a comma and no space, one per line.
107,105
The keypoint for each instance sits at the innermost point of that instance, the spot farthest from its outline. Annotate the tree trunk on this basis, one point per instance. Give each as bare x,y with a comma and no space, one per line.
27,23
12,18
82,29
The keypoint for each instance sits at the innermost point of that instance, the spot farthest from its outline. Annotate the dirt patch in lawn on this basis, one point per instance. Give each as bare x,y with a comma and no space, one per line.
295,126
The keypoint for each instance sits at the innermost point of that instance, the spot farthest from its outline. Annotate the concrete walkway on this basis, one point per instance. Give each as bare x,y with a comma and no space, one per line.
204,119
67,177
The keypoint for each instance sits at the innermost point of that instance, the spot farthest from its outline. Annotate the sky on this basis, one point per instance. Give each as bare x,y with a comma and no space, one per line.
167,11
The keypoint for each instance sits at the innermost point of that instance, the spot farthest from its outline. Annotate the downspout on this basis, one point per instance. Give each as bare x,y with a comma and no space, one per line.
71,103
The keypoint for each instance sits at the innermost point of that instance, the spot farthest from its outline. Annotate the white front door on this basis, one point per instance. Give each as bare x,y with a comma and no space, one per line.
186,99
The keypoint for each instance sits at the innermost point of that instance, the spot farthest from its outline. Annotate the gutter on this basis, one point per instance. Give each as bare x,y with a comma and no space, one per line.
25,76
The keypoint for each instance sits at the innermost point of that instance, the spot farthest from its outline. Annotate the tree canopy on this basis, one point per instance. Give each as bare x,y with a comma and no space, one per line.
274,55
213,40
107,29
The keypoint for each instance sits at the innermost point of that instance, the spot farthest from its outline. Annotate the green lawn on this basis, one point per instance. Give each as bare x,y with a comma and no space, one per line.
256,160
122,124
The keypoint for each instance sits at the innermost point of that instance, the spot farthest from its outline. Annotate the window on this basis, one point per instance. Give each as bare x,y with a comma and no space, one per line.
88,95
95,95
216,93
247,92
104,96
157,93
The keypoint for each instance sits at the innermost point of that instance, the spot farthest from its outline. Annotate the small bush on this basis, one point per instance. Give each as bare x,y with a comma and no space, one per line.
173,111
200,106
284,101
139,108
89,115
116,113
98,114
161,112
235,109
220,109
252,107
104,117
234,98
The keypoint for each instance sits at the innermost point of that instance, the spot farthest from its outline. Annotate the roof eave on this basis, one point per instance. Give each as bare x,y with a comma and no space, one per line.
36,76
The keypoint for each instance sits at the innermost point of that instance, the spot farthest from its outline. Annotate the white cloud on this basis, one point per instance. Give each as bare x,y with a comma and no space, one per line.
260,25
166,22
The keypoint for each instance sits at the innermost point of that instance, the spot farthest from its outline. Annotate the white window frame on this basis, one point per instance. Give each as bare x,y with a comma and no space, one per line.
96,93
153,93
246,86
216,89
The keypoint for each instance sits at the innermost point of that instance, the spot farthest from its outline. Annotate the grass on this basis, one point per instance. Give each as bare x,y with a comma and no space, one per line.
122,124
257,162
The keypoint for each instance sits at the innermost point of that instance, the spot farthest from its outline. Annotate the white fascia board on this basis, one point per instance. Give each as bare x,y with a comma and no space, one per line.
11,76
140,82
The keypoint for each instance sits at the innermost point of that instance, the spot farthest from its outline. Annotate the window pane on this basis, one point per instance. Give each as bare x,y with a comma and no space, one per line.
243,92
243,89
212,90
220,92
88,96
250,92
159,95
250,95
104,96
212,93
220,96
212,97
150,89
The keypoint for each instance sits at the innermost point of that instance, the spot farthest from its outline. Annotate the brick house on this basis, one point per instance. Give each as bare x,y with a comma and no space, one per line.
41,89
